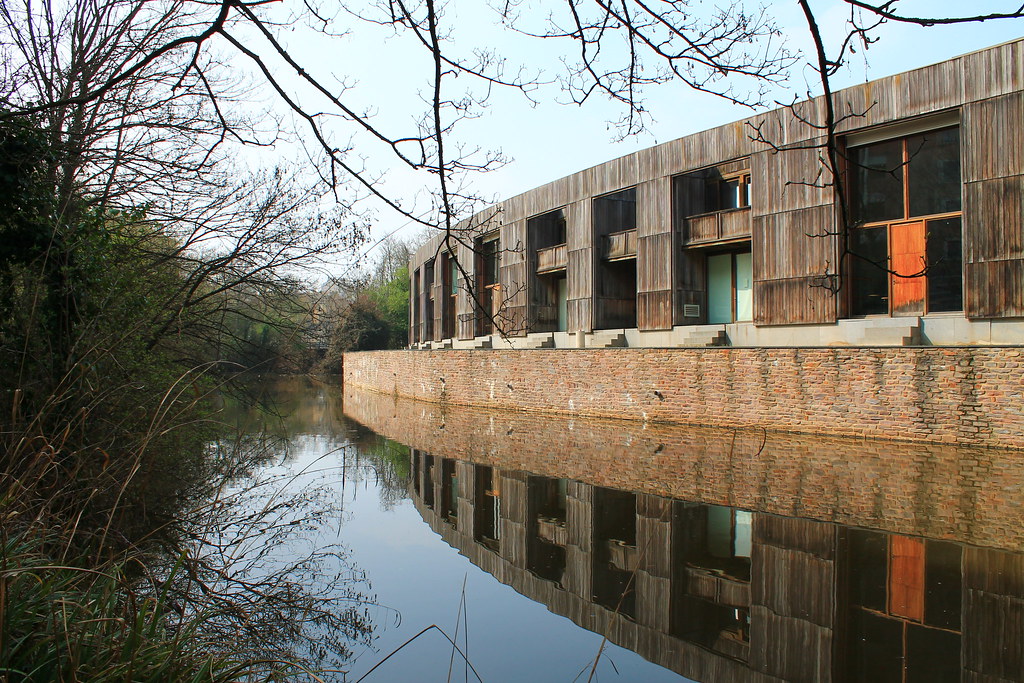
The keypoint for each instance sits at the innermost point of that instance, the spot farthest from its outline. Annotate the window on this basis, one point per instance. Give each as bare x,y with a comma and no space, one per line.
906,239
712,189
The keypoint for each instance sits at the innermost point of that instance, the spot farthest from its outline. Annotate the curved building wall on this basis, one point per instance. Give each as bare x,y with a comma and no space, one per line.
718,238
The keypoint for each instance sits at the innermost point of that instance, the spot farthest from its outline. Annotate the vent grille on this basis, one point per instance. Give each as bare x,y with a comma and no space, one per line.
691,310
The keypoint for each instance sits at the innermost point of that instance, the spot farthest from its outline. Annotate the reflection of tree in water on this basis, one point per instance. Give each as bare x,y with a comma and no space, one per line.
385,460
258,551
293,456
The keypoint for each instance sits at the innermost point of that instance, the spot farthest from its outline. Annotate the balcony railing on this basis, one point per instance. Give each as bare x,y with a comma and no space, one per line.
620,245
552,259
719,226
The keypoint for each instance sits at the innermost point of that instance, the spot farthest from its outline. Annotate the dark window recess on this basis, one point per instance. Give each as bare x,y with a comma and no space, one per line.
615,212
868,270
933,172
945,270
876,182
490,261
709,190
547,230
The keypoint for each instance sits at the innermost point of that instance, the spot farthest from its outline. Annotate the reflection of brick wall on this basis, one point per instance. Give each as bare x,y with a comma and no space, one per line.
939,491
950,395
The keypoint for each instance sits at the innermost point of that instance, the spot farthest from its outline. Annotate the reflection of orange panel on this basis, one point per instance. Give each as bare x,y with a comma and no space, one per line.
907,251
906,578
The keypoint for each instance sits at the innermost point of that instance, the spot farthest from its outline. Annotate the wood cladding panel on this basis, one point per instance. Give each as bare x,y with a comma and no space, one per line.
993,138
734,224
614,175
865,105
702,228
994,289
654,263
793,583
929,89
794,301
580,274
654,207
580,314
994,220
715,145
691,283
996,71
793,244
789,649
578,230
654,310
786,181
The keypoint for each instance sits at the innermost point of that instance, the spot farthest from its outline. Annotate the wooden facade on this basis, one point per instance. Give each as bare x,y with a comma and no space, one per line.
721,191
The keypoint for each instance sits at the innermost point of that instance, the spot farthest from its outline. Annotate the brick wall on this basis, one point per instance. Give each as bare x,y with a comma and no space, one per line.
949,395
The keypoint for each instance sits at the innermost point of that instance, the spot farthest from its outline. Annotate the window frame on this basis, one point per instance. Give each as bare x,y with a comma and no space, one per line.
906,219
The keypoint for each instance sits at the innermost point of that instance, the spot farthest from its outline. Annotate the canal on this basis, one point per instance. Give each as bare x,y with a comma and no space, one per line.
552,549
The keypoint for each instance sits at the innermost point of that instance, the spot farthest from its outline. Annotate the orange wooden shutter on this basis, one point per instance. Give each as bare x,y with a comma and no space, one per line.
907,250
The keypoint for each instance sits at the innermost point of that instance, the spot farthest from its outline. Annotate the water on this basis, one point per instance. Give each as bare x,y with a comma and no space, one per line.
716,555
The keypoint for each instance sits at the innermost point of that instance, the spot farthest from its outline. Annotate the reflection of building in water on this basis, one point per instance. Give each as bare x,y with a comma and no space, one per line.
721,594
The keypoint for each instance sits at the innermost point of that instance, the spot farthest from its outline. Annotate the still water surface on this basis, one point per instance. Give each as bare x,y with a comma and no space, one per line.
715,555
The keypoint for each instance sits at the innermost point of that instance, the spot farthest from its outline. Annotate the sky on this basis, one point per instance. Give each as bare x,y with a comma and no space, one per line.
547,138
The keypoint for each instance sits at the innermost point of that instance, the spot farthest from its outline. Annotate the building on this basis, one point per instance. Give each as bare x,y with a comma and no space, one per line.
729,236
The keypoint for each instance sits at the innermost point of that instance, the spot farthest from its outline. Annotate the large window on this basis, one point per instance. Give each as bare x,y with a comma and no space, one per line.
906,236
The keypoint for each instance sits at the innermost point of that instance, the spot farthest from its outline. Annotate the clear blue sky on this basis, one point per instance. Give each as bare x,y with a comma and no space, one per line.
549,139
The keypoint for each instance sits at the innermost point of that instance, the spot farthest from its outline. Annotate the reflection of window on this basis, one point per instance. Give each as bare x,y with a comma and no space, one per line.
906,209
905,608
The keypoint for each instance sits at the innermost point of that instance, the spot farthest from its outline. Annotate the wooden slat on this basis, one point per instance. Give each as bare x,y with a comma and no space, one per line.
993,72
787,181
793,244
994,289
793,301
552,259
930,89
703,228
654,263
993,138
619,245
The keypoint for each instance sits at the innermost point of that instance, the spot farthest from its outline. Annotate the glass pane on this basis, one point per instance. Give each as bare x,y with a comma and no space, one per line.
945,268
876,182
868,569
744,287
933,656
744,533
720,296
943,588
719,531
615,212
869,281
563,304
933,172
